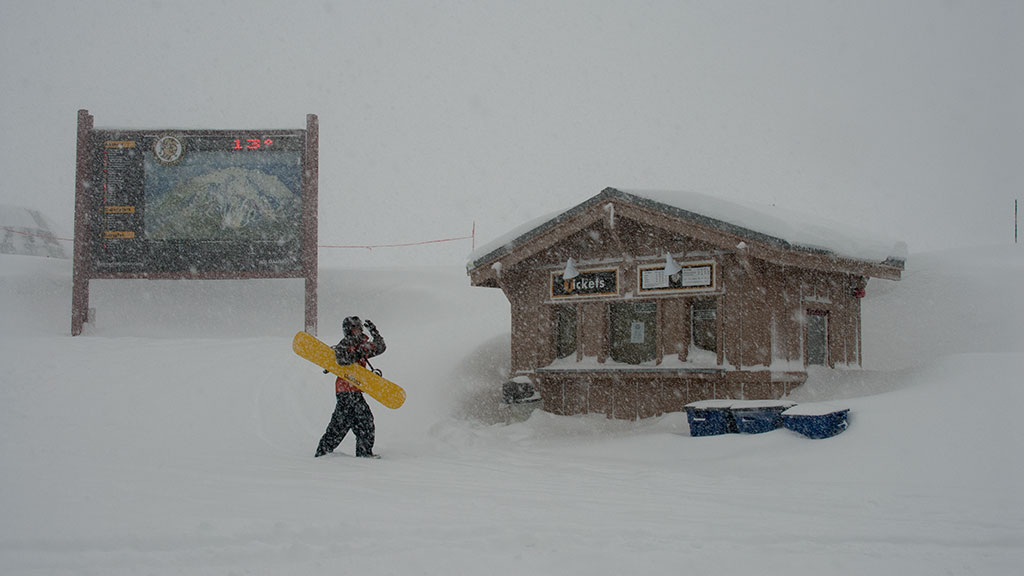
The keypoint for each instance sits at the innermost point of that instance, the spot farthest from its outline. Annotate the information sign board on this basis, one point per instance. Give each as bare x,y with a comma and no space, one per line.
195,204
693,277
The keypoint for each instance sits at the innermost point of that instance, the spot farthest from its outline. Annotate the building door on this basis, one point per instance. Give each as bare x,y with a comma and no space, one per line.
817,338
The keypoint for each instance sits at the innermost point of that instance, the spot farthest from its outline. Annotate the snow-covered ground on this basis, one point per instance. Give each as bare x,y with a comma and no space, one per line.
176,437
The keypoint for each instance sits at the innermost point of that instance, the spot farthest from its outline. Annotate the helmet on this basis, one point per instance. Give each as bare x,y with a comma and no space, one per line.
349,324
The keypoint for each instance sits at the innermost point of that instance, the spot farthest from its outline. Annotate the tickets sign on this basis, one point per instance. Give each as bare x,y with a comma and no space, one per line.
603,282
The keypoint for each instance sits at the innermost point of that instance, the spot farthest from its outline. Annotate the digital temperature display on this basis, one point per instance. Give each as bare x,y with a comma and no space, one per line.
252,143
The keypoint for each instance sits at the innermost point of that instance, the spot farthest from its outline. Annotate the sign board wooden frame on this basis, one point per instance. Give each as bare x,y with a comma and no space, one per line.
123,231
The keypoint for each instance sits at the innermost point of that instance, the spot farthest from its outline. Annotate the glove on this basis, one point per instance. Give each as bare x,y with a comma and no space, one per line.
370,326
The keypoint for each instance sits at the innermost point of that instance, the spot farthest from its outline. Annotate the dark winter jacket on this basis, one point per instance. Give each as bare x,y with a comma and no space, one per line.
356,349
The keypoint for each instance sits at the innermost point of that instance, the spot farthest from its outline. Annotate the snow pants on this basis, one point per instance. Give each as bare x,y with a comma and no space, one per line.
351,413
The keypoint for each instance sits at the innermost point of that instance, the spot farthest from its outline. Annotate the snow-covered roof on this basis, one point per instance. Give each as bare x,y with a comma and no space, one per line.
769,225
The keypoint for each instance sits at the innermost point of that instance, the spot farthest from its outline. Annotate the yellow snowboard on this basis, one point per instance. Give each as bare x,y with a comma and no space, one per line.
383,390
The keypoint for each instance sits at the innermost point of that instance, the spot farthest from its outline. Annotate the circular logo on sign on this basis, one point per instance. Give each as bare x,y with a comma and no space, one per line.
168,149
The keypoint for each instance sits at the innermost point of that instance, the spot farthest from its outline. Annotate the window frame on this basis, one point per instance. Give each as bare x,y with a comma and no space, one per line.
692,308
562,312
632,352
825,355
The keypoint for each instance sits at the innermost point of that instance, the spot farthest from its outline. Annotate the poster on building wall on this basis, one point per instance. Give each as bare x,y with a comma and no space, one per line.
603,282
693,277
637,333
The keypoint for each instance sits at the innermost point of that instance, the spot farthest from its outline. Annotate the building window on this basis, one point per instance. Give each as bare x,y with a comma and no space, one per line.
633,331
817,338
704,324
565,331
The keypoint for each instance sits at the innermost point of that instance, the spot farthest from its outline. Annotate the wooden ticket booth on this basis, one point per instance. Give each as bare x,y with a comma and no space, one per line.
634,304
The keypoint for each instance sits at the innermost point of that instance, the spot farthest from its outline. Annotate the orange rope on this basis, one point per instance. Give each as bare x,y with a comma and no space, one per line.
363,246
402,245
47,236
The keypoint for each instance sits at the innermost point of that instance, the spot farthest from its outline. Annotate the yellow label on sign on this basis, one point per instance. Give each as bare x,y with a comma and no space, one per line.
120,143
120,209
118,234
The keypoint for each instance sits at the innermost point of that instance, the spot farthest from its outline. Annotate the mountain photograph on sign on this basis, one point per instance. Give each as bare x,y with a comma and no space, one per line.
217,196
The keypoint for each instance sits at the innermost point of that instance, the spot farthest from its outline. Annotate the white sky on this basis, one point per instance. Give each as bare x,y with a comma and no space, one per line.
902,117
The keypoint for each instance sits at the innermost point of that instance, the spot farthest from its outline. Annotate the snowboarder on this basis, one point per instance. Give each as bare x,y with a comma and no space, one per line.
352,412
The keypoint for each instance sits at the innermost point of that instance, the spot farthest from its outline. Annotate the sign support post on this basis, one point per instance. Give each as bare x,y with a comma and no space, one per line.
310,194
82,253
